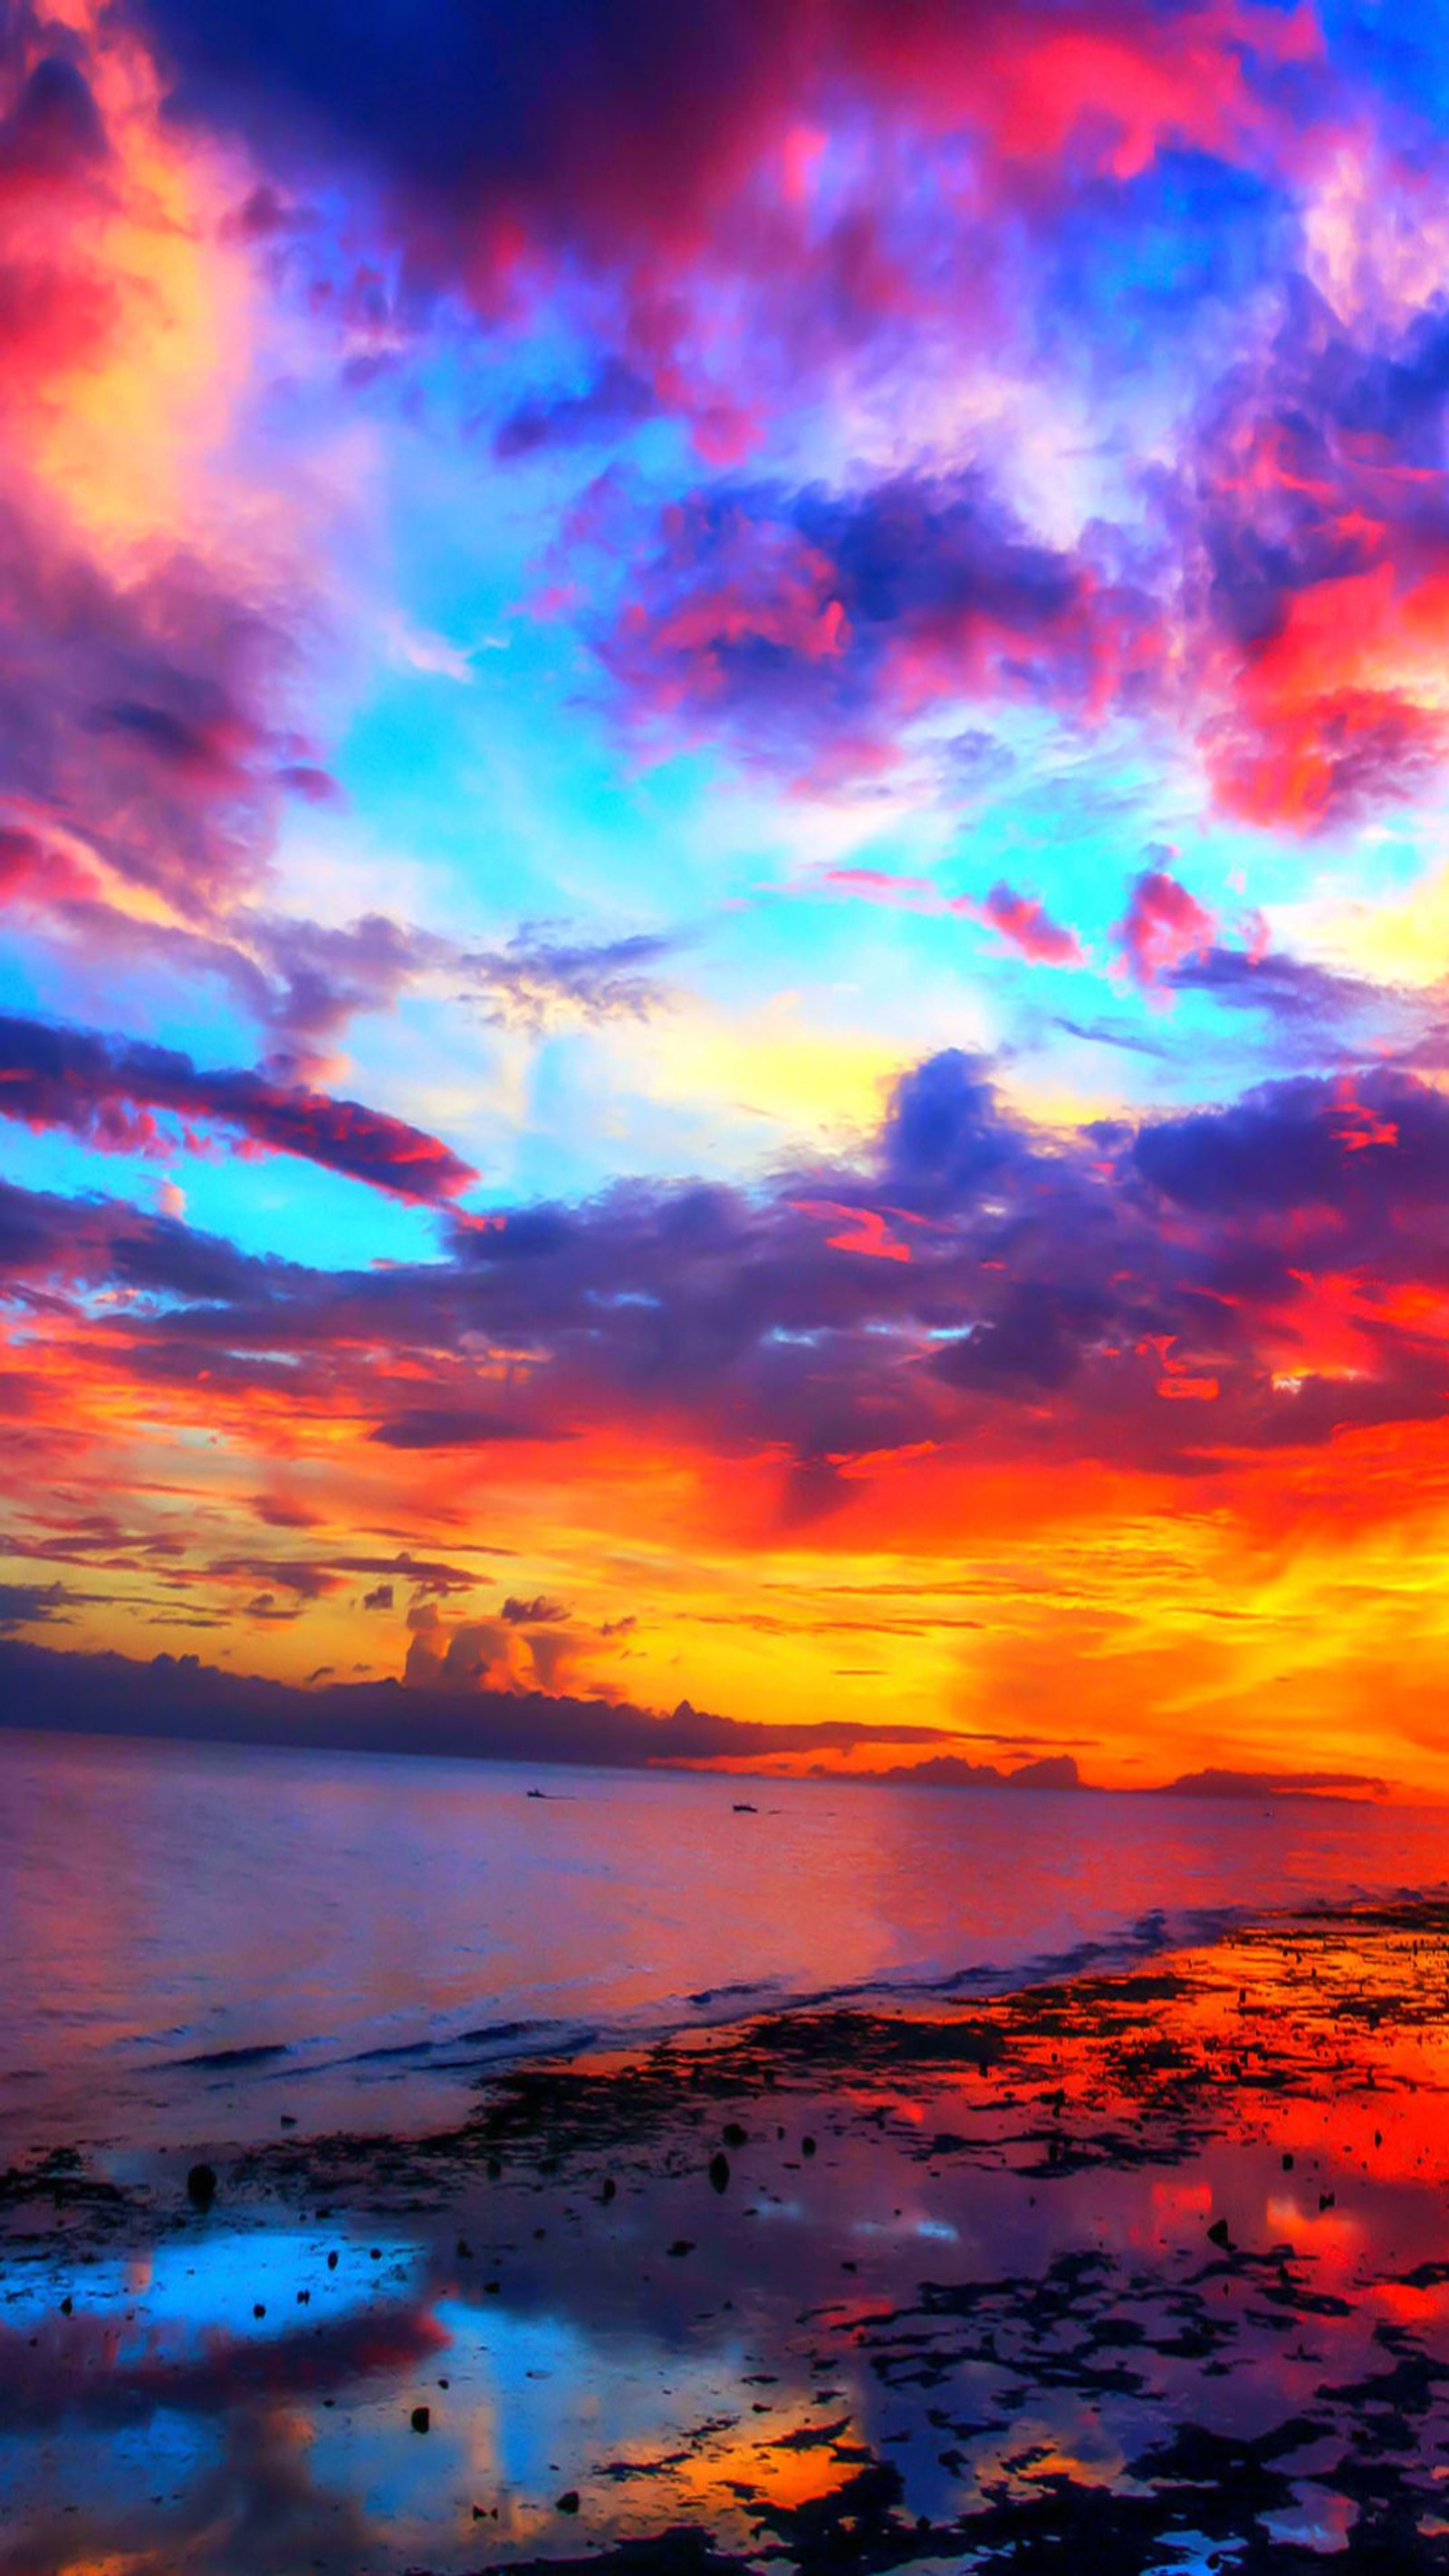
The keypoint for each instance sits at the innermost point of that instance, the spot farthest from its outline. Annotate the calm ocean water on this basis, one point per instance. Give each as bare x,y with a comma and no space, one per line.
200,1940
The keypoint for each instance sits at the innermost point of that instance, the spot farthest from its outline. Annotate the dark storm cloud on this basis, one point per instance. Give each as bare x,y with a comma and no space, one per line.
1365,1151
1140,1293
608,124
620,127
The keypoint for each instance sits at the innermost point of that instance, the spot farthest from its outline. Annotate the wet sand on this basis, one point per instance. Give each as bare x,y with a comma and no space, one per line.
1138,2272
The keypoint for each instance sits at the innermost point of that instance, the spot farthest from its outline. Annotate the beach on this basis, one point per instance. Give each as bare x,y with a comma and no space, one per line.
1141,2269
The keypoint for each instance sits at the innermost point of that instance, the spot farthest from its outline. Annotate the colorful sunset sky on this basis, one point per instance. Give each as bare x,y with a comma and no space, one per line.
723,852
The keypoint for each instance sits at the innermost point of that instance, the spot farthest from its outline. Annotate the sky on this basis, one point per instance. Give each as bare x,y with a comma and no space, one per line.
724,907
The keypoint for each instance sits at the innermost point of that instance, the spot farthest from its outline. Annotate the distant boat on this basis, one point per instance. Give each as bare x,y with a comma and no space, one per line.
538,1793
743,1808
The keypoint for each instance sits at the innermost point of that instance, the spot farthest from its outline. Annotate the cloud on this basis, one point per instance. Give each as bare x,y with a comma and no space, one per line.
1034,1341
426,1574
703,208
1321,1017
109,1092
615,399
1285,988
601,130
1270,1784
281,1511
1311,497
953,1771
302,982
1172,1294
139,718
453,1711
808,627
537,979
147,678
1162,927
299,981
29,1605
53,133
627,142
728,221
1358,1150
528,1648
944,1134
1109,1033
462,1425
1022,921
307,1582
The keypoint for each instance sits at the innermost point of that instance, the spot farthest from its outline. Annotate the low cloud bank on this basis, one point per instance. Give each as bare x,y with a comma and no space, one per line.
178,1697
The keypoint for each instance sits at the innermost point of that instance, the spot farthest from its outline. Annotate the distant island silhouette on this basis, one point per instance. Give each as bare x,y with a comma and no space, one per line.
180,1698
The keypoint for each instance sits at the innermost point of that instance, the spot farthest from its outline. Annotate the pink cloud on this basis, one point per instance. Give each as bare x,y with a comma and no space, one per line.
1023,921
863,1230
116,1096
1162,927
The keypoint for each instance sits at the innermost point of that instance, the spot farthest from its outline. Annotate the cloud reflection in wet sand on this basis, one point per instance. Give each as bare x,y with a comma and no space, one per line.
1136,2272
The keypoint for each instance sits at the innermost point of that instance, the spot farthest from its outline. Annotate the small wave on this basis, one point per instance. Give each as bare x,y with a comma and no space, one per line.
489,2031
402,2048
487,2047
756,1995
1151,1935
430,2052
218,2061
566,2041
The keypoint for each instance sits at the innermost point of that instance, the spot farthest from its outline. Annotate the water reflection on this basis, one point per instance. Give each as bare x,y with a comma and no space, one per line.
1155,2266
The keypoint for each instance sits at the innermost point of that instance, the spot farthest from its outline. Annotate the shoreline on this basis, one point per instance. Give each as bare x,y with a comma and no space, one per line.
1078,2270
454,2065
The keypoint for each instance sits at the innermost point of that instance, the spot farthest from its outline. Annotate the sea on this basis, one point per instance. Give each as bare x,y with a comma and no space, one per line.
204,1941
